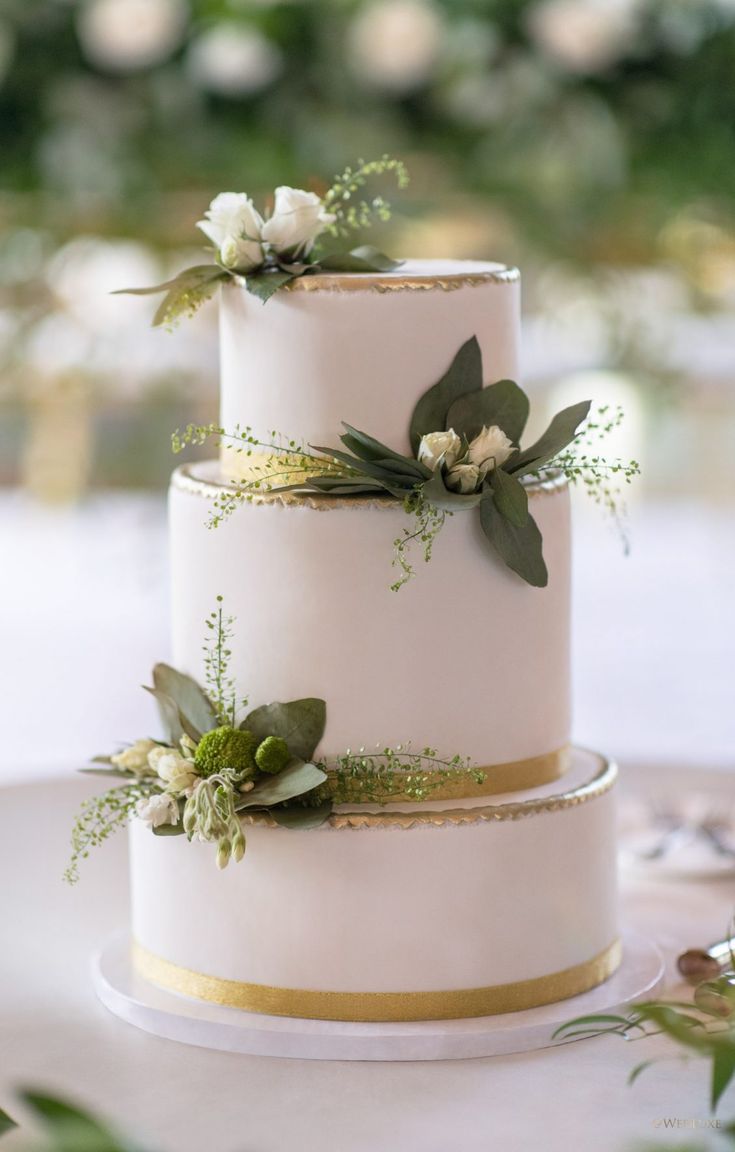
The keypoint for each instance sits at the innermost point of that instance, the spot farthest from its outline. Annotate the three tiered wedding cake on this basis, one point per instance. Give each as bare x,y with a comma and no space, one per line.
403,910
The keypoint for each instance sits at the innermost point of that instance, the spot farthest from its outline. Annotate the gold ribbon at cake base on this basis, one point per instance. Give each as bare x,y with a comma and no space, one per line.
515,776
380,1007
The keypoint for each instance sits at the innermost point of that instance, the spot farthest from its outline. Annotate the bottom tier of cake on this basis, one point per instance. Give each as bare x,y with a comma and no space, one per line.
410,912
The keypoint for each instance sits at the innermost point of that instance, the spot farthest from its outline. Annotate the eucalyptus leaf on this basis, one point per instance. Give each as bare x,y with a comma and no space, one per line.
561,431
195,708
300,723
6,1122
520,548
169,830
169,714
463,375
436,492
295,779
362,259
302,817
265,284
503,404
197,274
71,1129
118,772
511,498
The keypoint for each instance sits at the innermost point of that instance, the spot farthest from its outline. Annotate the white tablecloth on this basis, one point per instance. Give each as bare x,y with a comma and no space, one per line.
54,1034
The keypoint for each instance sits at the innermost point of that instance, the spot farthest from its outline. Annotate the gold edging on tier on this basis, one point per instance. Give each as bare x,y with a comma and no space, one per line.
361,1007
601,782
184,479
397,282
515,776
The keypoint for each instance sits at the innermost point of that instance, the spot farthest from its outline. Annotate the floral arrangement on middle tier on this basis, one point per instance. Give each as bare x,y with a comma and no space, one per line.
465,437
216,766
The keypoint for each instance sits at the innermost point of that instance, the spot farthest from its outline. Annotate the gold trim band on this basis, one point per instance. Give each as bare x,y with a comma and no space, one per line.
363,1007
515,776
403,282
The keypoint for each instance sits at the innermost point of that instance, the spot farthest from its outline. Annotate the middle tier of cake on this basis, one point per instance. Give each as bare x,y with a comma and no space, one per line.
466,658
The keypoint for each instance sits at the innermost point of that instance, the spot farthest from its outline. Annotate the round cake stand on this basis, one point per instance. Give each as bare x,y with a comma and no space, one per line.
206,1025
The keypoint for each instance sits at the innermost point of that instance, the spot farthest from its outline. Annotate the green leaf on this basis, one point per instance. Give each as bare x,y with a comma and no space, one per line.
169,830
6,1123
118,772
195,708
463,375
302,817
600,1018
71,1129
169,714
639,1068
377,472
436,492
368,448
295,779
520,548
504,404
561,431
194,275
723,1068
300,723
511,498
362,259
265,284
342,486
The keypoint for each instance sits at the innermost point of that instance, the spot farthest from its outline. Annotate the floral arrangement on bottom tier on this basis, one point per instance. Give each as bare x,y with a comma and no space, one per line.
213,768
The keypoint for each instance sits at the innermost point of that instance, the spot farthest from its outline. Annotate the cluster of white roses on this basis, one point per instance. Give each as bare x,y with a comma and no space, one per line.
245,241
465,468
176,772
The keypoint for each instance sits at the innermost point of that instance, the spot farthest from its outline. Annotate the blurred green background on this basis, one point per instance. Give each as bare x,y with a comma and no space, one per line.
589,141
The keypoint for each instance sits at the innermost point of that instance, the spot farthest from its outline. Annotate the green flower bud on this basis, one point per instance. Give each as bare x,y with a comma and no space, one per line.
272,755
226,748
223,853
238,847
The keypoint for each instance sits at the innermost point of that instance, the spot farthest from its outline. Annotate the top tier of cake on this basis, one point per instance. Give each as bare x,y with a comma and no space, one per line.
359,348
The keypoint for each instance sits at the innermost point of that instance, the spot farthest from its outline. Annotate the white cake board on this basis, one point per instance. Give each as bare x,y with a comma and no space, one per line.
206,1025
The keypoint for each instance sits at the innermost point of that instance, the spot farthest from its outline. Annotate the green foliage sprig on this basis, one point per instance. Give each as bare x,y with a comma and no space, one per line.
188,290
467,454
379,776
704,1029
100,817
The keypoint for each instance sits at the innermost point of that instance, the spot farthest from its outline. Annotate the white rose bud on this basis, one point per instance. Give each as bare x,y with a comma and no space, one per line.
298,218
463,478
157,810
438,448
178,773
234,226
490,449
135,758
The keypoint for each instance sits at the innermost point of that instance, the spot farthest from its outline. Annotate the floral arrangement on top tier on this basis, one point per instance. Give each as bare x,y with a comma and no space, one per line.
465,438
268,252
213,767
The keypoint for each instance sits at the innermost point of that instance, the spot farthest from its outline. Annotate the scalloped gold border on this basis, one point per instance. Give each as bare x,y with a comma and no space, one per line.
396,282
360,1007
184,479
602,781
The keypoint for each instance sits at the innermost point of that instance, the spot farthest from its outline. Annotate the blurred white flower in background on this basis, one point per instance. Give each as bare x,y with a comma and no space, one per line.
234,60
125,35
394,45
584,36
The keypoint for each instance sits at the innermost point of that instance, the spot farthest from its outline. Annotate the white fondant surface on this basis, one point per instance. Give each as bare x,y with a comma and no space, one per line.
309,360
386,909
466,658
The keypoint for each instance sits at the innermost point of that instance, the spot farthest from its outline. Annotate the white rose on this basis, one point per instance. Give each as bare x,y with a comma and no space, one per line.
463,478
298,218
440,448
135,758
490,449
234,226
176,772
157,810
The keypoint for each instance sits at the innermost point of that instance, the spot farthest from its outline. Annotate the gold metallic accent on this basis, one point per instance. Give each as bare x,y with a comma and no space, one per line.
601,782
514,776
186,479
455,1004
402,282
